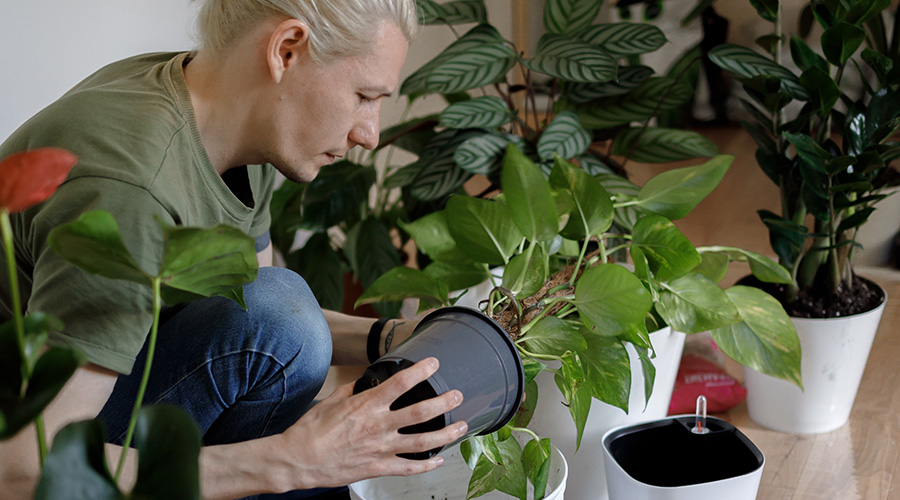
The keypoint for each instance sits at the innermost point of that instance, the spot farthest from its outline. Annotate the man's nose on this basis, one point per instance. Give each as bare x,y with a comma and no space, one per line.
366,132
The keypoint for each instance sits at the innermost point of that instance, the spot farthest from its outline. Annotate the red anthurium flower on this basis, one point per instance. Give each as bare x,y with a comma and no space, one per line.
29,178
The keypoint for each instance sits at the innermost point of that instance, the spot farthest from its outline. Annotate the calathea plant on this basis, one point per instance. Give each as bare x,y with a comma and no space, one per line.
195,263
561,298
829,152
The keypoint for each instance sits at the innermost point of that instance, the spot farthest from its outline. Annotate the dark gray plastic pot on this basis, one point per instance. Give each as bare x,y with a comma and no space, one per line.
476,356
665,460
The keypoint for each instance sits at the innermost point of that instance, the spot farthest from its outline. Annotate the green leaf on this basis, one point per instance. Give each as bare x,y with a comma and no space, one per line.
453,12
403,282
840,41
610,299
693,304
674,193
480,112
458,274
624,39
608,369
766,340
576,389
76,466
669,253
532,368
514,481
554,337
805,57
568,16
656,95
376,255
823,91
571,59
322,268
526,409
563,137
432,236
628,78
484,154
662,145
200,262
764,268
593,208
748,64
336,195
536,458
484,230
526,272
767,9
714,266
485,478
528,195
168,443
439,175
93,243
411,135
864,10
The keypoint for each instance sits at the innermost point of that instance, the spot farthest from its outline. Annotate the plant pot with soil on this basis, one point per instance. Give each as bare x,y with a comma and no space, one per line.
831,149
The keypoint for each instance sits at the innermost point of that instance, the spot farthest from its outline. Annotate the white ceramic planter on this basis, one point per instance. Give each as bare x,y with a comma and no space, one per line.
834,356
587,477
450,482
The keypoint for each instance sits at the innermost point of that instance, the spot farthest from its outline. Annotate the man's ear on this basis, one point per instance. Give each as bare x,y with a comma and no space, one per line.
287,44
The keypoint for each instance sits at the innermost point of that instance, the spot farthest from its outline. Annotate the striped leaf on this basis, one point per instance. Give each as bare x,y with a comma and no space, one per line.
746,63
629,78
623,190
481,112
624,39
480,51
593,166
439,175
568,16
563,137
662,145
572,60
484,154
402,177
656,94
455,12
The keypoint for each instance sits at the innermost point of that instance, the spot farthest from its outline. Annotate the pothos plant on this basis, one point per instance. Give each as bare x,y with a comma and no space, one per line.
830,151
196,263
560,297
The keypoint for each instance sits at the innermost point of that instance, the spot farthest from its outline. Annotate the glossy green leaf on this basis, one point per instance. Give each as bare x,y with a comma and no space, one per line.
480,112
662,145
526,409
568,16
693,304
767,9
746,63
438,173
336,194
554,337
674,193
526,272
571,59
536,458
453,12
93,243
628,78
514,481
713,265
805,57
322,268
458,274
823,91
764,268
432,236
529,197
484,154
593,208
648,370
563,137
608,369
656,95
624,39
168,443
864,10
483,229
76,466
485,478
404,282
841,41
376,255
669,253
202,262
479,66
532,368
576,389
610,299
765,340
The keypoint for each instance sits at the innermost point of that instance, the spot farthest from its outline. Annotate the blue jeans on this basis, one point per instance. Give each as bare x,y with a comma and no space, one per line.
240,374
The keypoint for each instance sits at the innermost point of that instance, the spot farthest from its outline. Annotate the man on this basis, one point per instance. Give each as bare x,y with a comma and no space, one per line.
292,84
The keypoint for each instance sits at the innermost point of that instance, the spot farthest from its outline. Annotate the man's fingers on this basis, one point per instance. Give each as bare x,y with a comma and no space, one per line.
424,411
417,443
406,379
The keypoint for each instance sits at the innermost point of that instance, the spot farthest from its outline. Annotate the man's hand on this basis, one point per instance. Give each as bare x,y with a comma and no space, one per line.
346,438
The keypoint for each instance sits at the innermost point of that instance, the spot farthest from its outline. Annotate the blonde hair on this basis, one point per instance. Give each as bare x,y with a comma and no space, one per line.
337,28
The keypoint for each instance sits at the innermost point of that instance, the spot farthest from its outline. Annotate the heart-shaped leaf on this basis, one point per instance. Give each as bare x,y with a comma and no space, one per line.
592,212
693,304
528,195
610,299
168,444
669,253
403,282
554,337
674,193
483,229
76,468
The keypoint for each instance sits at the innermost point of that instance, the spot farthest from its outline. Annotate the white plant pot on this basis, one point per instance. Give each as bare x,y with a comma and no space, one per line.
834,356
451,482
587,478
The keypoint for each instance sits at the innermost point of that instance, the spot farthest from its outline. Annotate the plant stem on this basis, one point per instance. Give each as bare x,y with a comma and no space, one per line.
526,431
42,437
151,348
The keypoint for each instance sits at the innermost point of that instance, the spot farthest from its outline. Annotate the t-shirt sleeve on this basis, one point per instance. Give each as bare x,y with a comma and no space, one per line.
108,320
263,184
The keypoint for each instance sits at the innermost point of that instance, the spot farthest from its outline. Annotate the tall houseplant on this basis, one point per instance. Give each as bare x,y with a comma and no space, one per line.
830,147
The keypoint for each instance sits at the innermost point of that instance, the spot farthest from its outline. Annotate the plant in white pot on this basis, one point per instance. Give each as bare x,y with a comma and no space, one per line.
564,302
832,156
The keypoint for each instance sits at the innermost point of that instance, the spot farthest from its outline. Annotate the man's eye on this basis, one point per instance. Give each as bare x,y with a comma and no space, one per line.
363,98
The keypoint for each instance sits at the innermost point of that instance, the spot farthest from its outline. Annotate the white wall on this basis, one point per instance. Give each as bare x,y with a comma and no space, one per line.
47,46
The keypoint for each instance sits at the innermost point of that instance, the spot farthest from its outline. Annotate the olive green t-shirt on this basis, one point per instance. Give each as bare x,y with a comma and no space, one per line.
141,158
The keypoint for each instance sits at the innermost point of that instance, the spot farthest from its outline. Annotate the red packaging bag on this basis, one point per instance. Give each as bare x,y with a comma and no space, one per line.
698,376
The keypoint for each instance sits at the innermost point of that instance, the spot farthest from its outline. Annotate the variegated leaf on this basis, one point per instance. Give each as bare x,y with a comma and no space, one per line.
593,166
662,145
568,16
622,190
564,137
658,94
455,12
624,39
570,59
484,154
439,175
747,63
478,67
482,35
629,78
481,112
402,176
